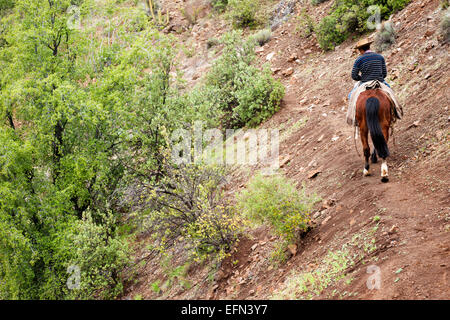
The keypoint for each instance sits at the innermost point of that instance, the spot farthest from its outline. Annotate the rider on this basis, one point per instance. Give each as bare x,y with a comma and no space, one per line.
368,66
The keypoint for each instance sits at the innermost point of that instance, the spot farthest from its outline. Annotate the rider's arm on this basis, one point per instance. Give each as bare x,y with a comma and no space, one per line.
384,69
355,72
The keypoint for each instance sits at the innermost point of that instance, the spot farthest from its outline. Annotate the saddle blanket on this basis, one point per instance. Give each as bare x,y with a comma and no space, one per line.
375,84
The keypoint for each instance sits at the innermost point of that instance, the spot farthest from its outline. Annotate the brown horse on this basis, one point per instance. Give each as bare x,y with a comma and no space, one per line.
373,113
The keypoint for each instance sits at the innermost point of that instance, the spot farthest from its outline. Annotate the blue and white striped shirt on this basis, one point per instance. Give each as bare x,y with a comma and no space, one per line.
371,65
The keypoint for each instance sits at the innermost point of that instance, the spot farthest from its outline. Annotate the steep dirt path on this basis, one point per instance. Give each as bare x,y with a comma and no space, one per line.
420,247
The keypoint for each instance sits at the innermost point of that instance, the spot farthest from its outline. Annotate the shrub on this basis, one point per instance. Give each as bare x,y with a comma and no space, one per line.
262,37
219,5
351,16
305,24
317,2
100,256
276,200
212,42
258,101
385,37
328,33
396,5
187,209
6,5
242,13
445,26
244,94
350,22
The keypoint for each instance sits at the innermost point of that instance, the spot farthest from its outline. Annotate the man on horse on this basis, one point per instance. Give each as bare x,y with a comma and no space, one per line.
370,71
372,105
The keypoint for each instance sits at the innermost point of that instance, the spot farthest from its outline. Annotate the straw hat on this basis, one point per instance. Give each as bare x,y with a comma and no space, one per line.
363,42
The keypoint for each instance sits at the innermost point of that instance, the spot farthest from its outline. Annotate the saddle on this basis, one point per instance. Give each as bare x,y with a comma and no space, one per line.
396,108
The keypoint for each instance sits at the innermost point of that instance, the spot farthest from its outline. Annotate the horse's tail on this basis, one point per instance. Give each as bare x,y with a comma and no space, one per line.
373,122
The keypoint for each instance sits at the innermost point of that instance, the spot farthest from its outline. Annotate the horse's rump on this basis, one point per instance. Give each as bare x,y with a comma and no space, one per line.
397,110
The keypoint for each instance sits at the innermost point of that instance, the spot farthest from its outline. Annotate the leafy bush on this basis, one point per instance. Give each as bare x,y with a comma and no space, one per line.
6,5
328,33
242,13
385,37
305,24
100,255
276,200
258,101
351,16
219,5
396,5
186,208
212,42
79,143
244,94
317,2
445,26
262,37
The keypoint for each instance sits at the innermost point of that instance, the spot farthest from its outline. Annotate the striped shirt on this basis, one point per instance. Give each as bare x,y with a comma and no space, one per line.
371,65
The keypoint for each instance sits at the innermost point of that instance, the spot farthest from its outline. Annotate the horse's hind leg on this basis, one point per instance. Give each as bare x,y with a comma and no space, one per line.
364,132
384,171
373,157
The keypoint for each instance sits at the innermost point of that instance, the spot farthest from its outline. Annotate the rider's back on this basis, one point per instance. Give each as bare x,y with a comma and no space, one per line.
371,65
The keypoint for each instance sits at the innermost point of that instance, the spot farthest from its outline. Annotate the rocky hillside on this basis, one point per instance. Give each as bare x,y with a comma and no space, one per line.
401,228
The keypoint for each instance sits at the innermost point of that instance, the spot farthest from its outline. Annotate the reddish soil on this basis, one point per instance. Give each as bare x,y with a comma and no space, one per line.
412,241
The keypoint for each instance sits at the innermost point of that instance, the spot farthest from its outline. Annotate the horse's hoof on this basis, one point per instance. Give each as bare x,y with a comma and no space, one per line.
384,179
366,173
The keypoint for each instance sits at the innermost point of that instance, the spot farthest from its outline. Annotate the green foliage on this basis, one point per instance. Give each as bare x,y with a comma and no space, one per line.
186,208
174,274
276,200
6,5
83,122
397,5
305,24
262,37
385,37
279,255
317,2
328,33
100,255
445,26
242,13
244,94
351,16
69,146
155,286
219,5
212,42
